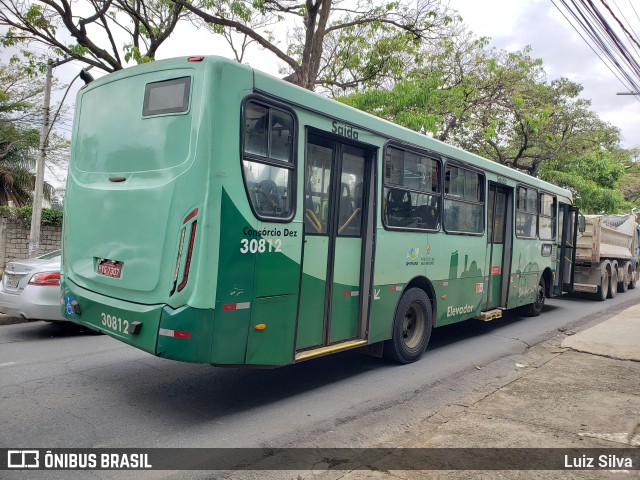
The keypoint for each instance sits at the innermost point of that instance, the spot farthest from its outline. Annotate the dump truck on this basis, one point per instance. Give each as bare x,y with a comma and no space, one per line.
607,255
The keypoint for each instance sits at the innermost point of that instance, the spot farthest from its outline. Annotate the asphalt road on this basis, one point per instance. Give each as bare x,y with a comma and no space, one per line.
63,386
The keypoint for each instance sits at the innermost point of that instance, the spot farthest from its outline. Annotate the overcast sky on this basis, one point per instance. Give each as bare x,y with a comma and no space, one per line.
513,24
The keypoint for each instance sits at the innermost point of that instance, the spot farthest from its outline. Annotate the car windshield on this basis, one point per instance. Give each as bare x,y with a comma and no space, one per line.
50,255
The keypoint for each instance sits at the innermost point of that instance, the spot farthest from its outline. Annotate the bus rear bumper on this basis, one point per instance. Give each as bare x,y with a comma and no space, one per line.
182,334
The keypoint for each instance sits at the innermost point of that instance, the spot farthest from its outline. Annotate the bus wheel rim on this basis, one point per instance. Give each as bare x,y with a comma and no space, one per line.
413,326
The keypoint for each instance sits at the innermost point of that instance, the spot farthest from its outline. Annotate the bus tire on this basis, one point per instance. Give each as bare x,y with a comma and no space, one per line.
613,283
412,327
534,309
603,290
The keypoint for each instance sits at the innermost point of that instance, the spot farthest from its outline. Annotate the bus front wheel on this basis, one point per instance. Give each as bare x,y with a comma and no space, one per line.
412,327
534,309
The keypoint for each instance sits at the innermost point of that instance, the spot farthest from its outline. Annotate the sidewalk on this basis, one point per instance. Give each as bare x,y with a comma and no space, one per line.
582,391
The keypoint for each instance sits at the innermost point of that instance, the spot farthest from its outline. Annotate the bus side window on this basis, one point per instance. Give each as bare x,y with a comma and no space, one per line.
527,212
411,190
255,140
399,208
281,133
464,201
268,161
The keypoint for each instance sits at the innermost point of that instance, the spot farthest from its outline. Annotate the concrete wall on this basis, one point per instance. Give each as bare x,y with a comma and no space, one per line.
14,240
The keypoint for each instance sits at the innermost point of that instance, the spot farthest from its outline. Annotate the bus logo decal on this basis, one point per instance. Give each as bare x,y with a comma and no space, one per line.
412,256
345,130
351,294
452,311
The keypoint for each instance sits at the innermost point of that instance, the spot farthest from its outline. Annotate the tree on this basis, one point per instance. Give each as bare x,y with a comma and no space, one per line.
495,103
594,176
19,135
500,105
630,186
334,43
441,94
89,31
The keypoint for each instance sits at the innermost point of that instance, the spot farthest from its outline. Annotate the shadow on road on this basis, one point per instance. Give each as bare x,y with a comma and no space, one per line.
40,329
155,389
195,394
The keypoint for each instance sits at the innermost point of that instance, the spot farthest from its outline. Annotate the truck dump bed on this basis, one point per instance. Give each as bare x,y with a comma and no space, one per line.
606,236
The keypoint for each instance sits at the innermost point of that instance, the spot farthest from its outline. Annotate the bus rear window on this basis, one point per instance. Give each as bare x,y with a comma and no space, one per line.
170,96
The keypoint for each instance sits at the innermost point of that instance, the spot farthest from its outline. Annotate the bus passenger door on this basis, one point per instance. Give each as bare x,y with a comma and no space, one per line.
336,192
499,244
566,259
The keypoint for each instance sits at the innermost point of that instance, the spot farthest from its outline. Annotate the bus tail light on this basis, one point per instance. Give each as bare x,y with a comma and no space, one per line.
183,231
180,247
187,265
46,279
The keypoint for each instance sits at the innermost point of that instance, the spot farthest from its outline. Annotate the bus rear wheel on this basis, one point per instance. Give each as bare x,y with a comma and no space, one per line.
412,327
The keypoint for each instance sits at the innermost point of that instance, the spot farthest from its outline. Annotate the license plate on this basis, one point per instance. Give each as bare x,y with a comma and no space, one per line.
12,281
109,268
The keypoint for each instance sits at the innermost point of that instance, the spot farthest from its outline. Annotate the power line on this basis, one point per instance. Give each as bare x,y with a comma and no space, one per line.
591,35
629,26
624,29
599,34
634,9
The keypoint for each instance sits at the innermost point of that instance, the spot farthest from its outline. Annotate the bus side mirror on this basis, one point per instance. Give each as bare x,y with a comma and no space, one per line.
582,224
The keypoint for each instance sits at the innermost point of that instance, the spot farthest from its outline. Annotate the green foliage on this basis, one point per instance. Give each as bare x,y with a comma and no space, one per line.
19,136
97,33
500,105
630,185
49,217
133,53
589,197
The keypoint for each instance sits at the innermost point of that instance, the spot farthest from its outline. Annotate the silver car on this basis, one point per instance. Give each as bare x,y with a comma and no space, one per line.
31,288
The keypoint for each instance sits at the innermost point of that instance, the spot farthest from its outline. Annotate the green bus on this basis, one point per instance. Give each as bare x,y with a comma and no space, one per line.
215,214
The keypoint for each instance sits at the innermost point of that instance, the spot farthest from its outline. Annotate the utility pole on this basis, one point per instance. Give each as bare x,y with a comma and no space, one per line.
36,213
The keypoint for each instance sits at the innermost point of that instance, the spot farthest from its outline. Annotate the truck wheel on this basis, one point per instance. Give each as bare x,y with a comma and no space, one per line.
634,277
613,284
623,284
534,309
412,327
603,291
